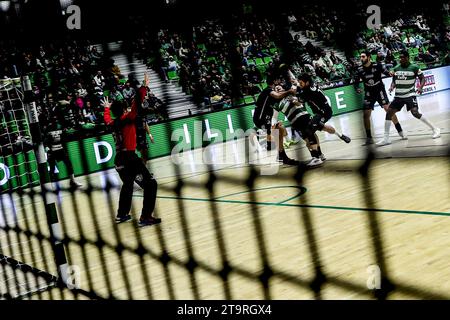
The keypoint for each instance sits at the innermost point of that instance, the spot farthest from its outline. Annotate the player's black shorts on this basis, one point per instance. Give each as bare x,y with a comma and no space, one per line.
398,103
264,123
318,121
58,155
303,125
375,95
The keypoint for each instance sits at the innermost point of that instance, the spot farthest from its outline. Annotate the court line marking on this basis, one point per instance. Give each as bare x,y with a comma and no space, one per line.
276,204
302,191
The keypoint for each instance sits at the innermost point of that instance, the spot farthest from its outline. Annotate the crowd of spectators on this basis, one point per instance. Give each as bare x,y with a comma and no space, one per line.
203,64
69,80
221,62
428,45
207,59
317,22
325,66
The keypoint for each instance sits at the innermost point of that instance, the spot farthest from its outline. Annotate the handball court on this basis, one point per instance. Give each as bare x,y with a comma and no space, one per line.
227,236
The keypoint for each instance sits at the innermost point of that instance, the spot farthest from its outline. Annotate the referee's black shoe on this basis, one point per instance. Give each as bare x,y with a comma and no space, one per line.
144,222
121,219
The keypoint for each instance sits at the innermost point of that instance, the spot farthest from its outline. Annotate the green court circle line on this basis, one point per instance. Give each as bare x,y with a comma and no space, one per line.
446,214
302,191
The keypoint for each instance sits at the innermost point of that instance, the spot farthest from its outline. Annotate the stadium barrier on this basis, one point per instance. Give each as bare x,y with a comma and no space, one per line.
15,170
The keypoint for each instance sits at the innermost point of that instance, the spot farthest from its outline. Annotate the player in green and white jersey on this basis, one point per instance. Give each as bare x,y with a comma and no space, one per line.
404,80
300,120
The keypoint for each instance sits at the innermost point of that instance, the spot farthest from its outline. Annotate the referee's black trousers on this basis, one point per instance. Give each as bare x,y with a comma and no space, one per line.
130,168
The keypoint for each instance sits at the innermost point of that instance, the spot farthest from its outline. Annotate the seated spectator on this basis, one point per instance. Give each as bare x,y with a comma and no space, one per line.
421,24
387,30
427,57
335,59
116,94
383,51
81,92
321,71
409,41
360,42
254,75
88,113
245,44
396,43
99,79
173,65
128,92
389,60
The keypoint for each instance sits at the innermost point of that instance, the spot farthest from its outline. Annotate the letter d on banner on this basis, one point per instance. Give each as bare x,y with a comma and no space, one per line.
98,157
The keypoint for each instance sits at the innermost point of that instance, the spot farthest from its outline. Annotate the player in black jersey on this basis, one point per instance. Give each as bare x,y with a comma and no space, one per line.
262,117
318,102
54,142
374,91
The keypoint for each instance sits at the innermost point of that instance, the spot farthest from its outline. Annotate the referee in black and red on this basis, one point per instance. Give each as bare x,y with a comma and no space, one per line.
129,166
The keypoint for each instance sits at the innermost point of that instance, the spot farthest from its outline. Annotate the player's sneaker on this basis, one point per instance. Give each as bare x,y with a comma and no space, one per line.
383,142
144,222
322,157
290,162
314,162
120,219
283,157
436,133
346,139
368,142
403,135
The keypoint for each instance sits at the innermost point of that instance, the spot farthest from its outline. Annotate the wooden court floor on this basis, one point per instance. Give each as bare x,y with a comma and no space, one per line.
397,219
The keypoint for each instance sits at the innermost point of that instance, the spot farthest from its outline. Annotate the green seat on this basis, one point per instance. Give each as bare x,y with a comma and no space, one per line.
264,85
249,99
122,81
106,93
172,75
88,126
259,61
209,59
262,68
239,102
374,57
413,51
201,46
267,60
273,50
